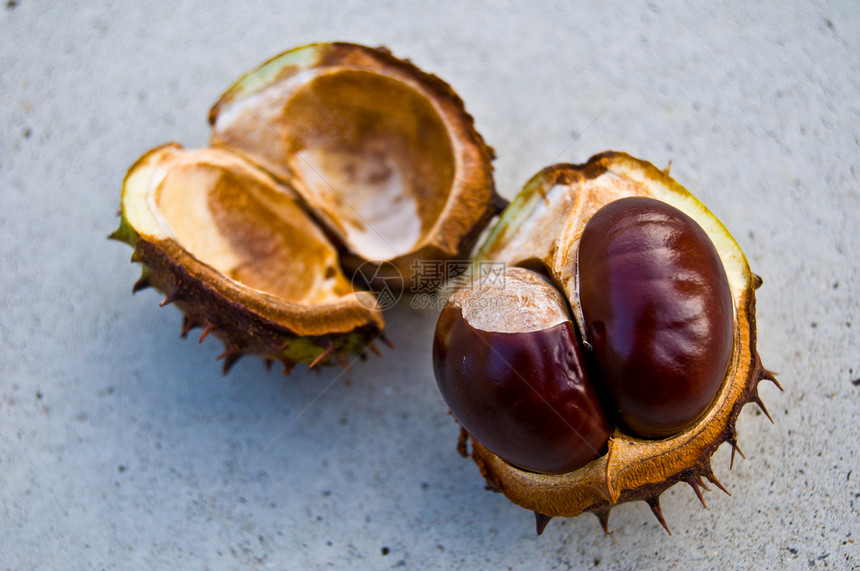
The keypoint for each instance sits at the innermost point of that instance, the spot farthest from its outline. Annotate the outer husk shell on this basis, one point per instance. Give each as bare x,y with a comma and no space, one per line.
249,326
633,469
472,200
248,321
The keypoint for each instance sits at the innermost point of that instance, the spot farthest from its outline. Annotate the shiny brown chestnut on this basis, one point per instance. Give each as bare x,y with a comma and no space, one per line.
658,313
509,365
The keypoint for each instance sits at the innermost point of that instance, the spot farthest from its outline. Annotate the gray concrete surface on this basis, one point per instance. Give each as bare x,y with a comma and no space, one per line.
122,447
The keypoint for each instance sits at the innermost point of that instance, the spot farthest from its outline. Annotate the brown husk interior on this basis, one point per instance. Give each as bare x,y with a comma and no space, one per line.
231,248
383,154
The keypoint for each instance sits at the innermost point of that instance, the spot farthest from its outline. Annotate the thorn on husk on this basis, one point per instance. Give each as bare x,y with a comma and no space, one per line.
771,376
654,504
187,325
343,360
268,364
603,517
206,331
713,479
141,284
230,358
375,351
328,351
695,485
287,367
171,297
541,522
386,341
666,172
735,448
756,281
756,399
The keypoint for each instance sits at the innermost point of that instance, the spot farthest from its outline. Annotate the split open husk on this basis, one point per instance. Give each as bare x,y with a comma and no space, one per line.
542,226
384,155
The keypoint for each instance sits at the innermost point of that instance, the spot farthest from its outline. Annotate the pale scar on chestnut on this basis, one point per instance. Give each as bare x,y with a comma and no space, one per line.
659,342
514,377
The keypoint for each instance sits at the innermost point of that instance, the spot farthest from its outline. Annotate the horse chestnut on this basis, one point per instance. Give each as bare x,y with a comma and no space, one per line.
658,315
664,301
658,312
508,363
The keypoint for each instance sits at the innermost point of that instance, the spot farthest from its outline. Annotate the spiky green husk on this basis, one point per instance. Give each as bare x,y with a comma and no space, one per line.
242,330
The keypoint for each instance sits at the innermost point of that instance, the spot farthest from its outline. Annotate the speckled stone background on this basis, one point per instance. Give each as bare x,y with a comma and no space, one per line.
122,447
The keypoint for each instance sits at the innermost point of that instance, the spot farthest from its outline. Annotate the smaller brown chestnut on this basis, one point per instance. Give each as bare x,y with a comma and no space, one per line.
509,366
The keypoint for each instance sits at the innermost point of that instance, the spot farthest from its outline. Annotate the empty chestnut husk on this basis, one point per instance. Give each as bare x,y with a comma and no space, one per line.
332,169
